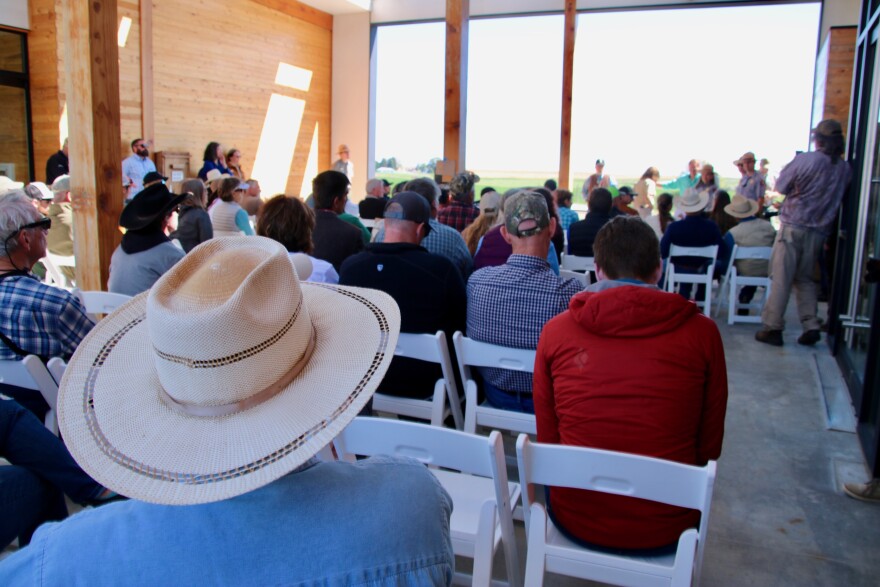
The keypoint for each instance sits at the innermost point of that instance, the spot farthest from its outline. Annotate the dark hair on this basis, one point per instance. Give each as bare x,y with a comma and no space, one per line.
563,196
550,184
423,186
288,221
398,187
231,152
600,201
832,146
724,220
227,188
134,142
626,247
195,193
664,209
210,152
444,197
551,205
486,190
327,186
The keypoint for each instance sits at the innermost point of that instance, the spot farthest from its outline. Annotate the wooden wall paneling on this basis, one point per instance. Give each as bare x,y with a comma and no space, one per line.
148,128
567,83
839,73
13,131
300,11
455,114
90,33
130,88
206,90
45,59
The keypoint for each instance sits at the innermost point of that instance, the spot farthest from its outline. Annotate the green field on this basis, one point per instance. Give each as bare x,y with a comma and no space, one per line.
502,184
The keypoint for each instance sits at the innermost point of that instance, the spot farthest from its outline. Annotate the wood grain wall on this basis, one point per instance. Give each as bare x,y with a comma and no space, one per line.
834,71
213,77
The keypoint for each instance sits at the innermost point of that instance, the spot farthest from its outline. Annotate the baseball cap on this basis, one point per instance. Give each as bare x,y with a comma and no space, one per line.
61,184
8,184
600,161
626,191
464,182
526,214
37,190
410,206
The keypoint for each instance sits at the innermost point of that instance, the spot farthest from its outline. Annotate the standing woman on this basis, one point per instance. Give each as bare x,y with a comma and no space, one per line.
227,216
646,192
213,159
233,161
193,223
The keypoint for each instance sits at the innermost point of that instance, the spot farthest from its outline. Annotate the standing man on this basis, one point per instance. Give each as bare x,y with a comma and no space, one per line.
57,164
343,164
752,185
597,180
137,165
813,185
685,180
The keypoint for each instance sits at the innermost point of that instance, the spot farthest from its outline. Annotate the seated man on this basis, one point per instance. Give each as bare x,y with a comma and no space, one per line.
373,206
623,199
509,304
427,288
750,231
583,232
335,239
668,409
35,318
209,418
461,210
695,230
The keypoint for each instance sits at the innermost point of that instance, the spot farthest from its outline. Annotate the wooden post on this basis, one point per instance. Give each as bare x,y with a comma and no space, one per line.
455,119
565,178
94,122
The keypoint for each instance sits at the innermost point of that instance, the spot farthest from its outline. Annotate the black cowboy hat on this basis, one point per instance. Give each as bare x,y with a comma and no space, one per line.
153,202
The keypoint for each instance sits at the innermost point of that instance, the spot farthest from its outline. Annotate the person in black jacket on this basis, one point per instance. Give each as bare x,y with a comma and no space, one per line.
335,239
57,165
582,233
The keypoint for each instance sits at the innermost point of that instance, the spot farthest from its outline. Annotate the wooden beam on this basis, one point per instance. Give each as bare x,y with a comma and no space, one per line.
94,123
148,130
455,117
565,179
300,11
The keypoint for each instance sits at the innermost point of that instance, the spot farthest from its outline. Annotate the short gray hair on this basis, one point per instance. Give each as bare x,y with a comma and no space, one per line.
374,183
16,210
425,187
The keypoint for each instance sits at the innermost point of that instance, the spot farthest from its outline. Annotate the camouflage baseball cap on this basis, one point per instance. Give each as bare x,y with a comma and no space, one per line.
525,214
464,182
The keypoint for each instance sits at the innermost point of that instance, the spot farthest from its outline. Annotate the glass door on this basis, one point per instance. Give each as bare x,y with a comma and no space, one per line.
15,140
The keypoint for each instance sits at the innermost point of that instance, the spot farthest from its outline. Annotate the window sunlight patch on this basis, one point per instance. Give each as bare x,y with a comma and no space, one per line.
278,142
311,167
124,28
291,76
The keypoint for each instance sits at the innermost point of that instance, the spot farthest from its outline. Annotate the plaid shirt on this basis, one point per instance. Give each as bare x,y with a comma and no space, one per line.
813,186
568,217
458,215
446,242
509,304
42,320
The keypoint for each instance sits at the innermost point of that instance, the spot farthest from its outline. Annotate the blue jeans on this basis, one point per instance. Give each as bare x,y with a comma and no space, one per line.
32,490
504,400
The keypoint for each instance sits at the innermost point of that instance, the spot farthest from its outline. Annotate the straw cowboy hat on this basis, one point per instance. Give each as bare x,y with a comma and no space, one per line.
692,200
226,375
740,207
213,175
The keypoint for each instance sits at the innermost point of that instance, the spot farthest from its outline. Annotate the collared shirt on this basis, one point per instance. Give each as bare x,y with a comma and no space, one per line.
813,186
446,242
509,304
41,319
682,182
458,215
135,167
381,521
568,217
751,187
346,167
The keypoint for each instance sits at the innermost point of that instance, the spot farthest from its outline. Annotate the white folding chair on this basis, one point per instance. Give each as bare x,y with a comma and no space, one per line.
31,373
575,263
583,278
54,274
674,278
100,302
733,281
471,353
483,499
433,349
369,223
625,474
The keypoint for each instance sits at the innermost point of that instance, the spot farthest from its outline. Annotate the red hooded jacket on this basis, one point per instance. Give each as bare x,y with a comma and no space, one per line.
637,370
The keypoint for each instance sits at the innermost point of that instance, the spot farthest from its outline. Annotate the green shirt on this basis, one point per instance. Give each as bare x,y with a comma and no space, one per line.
353,220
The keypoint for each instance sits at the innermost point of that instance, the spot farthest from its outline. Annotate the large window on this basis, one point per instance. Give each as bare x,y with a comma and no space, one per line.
660,87
15,142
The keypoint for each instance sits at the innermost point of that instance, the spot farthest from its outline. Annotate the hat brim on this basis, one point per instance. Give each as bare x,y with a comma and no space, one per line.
132,219
753,209
121,432
697,207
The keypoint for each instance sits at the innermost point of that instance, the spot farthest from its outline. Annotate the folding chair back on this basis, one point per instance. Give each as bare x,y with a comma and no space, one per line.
31,373
433,349
733,281
473,474
616,473
674,277
100,302
53,264
471,353
575,263
583,278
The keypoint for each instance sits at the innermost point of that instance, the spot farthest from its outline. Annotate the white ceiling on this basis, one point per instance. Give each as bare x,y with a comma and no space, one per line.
339,6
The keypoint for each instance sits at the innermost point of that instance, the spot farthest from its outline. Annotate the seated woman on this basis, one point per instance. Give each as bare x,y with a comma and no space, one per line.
193,223
227,216
214,158
146,252
233,162
490,215
290,222
663,217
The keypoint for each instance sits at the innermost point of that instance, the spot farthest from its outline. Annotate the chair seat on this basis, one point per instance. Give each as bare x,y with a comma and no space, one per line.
558,544
495,418
469,492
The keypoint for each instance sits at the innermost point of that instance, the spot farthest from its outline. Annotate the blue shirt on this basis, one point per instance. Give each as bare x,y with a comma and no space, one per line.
381,521
41,319
567,217
135,167
446,242
751,187
813,186
508,305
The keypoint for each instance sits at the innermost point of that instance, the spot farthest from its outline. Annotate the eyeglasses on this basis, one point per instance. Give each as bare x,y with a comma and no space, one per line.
44,223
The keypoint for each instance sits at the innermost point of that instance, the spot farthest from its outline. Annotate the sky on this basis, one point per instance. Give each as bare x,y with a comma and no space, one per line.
651,88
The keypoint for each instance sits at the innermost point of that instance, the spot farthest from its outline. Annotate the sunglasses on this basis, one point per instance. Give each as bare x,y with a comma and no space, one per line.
44,223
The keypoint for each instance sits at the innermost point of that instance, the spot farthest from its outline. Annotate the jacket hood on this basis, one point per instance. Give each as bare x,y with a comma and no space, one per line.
630,311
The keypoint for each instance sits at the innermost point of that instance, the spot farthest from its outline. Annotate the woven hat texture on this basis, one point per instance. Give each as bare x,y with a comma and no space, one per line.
740,207
692,200
228,374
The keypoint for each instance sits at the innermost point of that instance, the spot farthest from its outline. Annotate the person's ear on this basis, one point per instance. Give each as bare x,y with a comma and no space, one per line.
552,226
600,274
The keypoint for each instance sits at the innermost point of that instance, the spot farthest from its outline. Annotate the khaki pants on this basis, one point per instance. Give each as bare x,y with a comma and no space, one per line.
794,255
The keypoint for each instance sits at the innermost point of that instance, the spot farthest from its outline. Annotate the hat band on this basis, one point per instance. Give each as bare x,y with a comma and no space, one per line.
215,411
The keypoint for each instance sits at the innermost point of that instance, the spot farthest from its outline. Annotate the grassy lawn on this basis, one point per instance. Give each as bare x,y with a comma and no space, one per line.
502,184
